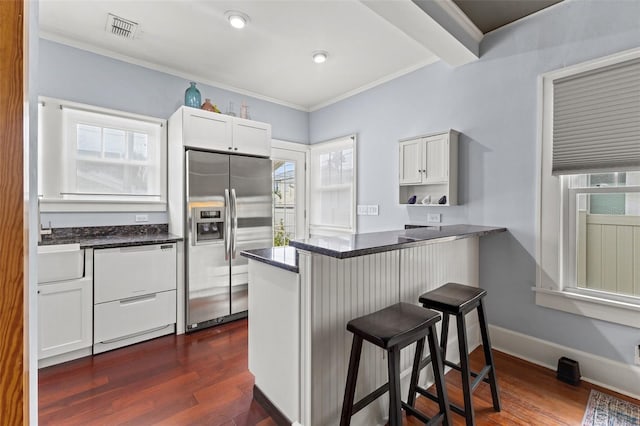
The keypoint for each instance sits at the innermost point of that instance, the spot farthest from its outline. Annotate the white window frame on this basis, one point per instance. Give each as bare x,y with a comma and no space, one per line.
54,159
552,289
327,146
304,207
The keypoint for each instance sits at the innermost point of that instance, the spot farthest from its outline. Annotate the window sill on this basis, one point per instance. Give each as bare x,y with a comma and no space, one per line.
51,206
589,306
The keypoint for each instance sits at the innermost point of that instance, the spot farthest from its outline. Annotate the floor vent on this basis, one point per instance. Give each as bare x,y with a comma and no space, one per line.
121,27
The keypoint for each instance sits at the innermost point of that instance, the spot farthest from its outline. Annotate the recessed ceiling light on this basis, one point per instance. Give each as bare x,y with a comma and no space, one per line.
320,56
236,19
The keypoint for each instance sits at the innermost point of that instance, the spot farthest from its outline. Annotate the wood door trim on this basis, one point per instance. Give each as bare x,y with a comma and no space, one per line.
14,387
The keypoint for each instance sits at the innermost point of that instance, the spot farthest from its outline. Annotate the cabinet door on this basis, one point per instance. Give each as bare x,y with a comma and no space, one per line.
411,161
65,317
437,159
207,130
251,137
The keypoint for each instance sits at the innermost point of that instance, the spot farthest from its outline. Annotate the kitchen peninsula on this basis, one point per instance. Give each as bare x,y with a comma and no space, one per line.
300,301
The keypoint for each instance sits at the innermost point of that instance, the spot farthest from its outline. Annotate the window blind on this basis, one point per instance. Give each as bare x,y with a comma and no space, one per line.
596,120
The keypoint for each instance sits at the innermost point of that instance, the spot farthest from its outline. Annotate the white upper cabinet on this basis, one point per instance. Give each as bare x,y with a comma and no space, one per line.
411,161
251,137
428,169
218,132
436,160
203,129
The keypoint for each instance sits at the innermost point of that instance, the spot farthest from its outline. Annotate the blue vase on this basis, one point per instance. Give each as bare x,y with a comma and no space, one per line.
192,96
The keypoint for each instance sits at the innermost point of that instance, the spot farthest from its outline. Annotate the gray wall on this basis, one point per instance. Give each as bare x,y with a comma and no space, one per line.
81,76
493,102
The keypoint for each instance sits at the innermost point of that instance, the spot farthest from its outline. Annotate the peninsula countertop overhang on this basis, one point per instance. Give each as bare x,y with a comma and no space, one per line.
377,242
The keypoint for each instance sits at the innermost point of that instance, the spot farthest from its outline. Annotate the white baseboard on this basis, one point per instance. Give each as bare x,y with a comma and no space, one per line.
614,375
69,356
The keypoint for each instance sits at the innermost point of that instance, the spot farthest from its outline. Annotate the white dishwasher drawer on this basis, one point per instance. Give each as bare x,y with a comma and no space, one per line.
121,319
124,272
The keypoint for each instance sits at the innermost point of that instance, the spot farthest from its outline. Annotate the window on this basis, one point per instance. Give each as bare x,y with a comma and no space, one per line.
333,187
588,231
93,159
603,233
284,201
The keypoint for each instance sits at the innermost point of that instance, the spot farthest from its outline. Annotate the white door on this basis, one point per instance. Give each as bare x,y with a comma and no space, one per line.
437,159
289,182
411,161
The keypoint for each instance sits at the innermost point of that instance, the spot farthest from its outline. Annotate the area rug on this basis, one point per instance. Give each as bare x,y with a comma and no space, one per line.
607,410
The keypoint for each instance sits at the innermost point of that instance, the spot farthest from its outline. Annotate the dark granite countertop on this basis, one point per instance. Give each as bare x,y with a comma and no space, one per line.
110,236
377,242
281,257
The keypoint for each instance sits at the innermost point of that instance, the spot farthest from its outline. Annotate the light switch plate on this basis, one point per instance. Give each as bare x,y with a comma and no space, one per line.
362,210
433,217
142,218
372,210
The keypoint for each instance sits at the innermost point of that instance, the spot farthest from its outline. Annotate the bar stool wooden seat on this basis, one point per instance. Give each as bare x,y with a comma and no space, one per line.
457,299
392,329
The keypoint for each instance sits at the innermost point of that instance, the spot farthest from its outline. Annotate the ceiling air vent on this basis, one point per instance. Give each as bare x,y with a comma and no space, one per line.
121,27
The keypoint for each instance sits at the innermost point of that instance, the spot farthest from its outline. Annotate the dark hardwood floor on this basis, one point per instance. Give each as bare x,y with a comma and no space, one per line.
202,379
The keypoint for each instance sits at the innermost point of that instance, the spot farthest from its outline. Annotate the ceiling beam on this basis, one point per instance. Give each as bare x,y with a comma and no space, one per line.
440,26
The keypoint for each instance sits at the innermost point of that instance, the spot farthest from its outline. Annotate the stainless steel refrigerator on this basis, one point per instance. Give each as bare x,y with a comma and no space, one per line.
227,210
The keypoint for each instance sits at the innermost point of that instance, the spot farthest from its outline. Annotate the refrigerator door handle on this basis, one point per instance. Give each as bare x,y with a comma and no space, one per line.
234,238
227,225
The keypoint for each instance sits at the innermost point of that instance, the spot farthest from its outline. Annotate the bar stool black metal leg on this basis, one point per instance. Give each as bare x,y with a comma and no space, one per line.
415,373
395,404
464,367
444,335
488,357
352,376
438,375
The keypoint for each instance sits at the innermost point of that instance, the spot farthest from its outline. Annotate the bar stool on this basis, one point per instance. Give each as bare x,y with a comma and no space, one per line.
457,299
392,329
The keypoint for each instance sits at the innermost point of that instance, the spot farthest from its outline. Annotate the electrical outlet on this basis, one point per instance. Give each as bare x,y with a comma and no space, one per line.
433,217
362,210
372,210
142,218
637,355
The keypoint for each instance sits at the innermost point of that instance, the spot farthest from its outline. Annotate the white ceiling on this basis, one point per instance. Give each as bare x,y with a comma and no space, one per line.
270,58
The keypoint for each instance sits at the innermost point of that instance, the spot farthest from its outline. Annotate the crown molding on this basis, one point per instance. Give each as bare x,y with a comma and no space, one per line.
375,83
164,69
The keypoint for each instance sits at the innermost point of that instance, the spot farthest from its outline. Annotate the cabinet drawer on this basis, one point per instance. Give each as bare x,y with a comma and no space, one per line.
124,318
124,272
208,130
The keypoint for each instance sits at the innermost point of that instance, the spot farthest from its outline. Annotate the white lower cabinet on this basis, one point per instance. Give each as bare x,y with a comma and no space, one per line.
65,319
135,294
124,272
125,320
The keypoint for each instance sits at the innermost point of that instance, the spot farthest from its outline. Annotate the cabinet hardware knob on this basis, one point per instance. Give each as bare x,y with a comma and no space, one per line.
235,149
230,148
